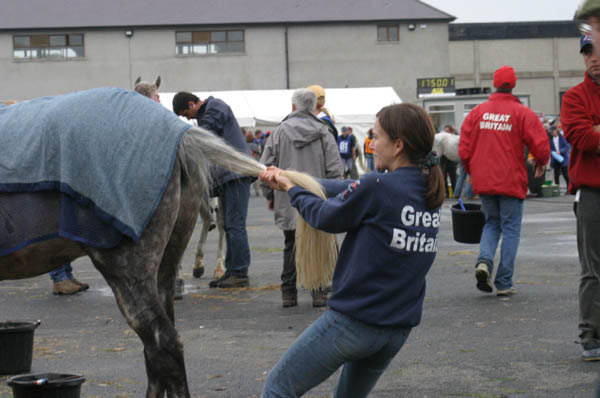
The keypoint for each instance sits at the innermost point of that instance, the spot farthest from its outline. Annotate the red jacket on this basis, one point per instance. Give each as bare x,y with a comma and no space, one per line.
579,114
491,145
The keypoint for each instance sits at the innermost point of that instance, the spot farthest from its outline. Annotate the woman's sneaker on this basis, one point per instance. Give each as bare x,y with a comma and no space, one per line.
506,292
482,274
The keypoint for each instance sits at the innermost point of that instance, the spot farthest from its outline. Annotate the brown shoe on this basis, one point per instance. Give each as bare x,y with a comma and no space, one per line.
66,287
289,299
82,285
319,300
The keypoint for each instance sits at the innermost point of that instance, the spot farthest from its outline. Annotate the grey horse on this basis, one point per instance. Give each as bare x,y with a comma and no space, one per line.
142,275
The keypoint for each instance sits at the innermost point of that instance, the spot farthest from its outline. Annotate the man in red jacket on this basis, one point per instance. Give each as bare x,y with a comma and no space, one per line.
580,117
491,148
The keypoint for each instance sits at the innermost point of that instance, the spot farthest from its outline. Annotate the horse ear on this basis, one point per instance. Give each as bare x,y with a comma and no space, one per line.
157,82
137,80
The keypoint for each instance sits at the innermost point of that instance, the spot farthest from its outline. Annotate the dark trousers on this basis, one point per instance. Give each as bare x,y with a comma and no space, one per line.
588,245
558,170
448,170
288,275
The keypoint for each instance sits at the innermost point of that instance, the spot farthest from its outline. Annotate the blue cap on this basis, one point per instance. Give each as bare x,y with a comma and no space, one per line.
584,41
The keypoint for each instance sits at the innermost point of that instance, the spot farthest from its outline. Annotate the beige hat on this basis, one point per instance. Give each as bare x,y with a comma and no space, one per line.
319,93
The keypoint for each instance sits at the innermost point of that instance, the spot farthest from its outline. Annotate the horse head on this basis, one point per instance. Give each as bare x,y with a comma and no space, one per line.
146,88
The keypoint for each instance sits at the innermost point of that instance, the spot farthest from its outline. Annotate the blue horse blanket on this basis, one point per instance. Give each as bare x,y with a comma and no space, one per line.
110,150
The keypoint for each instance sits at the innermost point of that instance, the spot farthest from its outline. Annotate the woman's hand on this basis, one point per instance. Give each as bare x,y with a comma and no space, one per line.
272,176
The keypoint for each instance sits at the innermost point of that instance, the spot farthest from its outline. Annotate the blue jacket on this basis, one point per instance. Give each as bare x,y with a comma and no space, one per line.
216,116
563,149
390,243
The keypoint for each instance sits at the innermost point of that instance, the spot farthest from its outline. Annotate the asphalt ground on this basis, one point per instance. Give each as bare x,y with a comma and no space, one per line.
469,344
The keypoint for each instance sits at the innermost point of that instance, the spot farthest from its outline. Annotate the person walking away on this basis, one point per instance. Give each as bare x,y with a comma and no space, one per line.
379,279
368,151
303,143
559,149
233,190
580,116
347,147
491,148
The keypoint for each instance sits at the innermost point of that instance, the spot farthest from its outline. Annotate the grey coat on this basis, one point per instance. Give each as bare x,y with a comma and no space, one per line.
302,143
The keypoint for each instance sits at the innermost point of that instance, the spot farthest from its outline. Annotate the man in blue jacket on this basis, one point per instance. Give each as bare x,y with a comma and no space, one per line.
234,190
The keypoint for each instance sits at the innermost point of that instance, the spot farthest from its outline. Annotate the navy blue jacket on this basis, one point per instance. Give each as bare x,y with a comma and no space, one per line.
390,243
563,149
216,116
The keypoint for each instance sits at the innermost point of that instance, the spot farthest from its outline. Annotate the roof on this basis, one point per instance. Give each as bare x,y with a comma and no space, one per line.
512,30
55,14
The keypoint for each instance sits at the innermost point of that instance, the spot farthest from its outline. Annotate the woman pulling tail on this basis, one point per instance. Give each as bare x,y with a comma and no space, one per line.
391,219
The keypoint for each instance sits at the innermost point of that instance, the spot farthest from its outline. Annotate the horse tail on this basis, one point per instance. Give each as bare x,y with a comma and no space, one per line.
316,251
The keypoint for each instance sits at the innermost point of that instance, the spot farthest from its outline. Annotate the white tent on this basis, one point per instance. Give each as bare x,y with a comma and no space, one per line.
264,109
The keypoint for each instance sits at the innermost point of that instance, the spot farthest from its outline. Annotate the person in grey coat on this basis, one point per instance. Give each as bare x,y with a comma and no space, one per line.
301,142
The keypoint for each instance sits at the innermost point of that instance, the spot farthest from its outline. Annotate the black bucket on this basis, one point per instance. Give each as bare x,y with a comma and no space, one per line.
16,346
467,224
46,385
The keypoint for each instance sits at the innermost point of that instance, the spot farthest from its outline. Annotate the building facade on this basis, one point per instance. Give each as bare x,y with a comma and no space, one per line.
276,46
545,56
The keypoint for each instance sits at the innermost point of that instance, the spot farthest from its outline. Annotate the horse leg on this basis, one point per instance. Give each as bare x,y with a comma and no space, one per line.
131,270
198,264
220,267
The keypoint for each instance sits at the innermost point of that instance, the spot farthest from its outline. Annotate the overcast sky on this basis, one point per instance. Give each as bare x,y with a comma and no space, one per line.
507,10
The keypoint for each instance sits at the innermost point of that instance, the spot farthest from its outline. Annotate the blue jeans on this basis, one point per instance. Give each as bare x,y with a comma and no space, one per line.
331,341
63,273
235,195
503,216
370,162
461,183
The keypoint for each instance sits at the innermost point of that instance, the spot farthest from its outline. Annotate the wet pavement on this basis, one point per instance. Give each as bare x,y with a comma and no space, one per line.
469,344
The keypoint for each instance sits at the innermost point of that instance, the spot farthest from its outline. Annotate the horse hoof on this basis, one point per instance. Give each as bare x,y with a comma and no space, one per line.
198,272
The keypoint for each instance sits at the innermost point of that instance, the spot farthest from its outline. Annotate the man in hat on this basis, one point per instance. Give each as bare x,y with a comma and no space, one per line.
322,112
491,148
580,116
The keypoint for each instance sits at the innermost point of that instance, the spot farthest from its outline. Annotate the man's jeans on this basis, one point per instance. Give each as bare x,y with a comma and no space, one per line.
462,183
588,245
288,274
63,273
503,216
370,162
235,196
331,341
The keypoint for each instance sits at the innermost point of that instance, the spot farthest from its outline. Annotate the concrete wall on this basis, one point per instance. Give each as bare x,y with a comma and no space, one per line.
350,56
340,55
545,67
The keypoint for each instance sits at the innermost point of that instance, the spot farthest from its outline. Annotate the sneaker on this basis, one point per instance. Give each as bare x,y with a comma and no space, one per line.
506,292
66,287
229,281
179,289
482,274
319,300
591,355
82,285
289,299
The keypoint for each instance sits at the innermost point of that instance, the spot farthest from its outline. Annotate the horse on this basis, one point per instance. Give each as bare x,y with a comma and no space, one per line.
142,274
446,144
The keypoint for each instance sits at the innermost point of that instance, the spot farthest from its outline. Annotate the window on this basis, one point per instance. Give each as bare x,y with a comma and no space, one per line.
209,42
387,33
441,114
64,46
